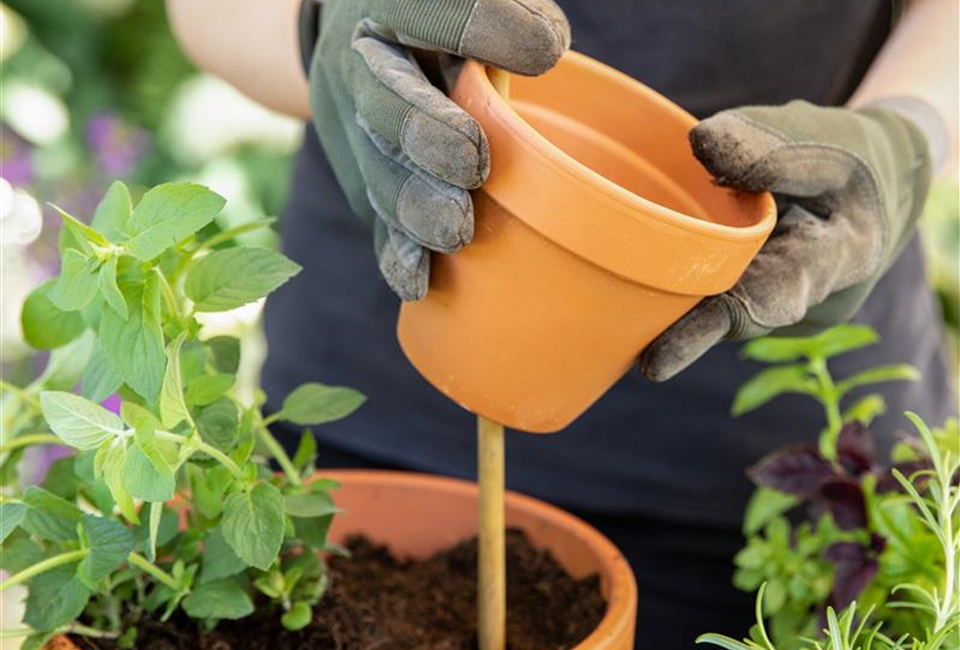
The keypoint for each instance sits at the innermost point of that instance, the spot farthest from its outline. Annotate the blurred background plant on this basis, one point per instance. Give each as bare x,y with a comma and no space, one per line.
98,90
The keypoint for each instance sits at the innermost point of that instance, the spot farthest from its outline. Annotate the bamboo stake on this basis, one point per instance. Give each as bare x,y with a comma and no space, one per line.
491,569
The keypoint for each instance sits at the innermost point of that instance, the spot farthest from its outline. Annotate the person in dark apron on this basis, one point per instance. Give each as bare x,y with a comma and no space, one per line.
657,465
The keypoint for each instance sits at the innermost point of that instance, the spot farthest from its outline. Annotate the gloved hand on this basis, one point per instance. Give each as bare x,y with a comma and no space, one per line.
404,153
849,185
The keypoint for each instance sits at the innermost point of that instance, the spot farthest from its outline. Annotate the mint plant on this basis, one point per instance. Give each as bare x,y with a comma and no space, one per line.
171,503
859,538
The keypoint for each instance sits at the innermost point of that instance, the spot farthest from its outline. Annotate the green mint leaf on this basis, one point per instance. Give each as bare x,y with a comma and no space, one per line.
99,380
253,524
134,346
19,552
145,473
109,542
207,489
878,375
66,363
77,284
306,451
130,412
11,514
219,424
61,479
207,389
318,504
866,409
83,234
770,383
223,599
224,352
764,505
56,597
316,403
298,617
112,466
313,531
168,214
113,213
44,326
107,281
49,516
173,409
226,279
219,560
78,422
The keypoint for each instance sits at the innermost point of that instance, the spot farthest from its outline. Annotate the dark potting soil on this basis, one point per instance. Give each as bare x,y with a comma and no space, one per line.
377,602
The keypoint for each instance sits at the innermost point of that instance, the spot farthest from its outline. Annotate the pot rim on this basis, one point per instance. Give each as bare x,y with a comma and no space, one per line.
622,601
537,144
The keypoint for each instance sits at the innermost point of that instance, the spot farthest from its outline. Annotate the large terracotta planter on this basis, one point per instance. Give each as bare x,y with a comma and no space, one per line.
417,515
596,230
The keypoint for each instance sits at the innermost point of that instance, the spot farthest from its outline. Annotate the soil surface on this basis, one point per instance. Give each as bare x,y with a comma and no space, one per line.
376,602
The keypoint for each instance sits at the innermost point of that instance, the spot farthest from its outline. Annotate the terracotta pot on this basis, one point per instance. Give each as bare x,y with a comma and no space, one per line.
417,515
596,230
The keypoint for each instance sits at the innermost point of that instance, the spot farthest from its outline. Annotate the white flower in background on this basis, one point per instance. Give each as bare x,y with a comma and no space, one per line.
19,274
243,323
210,117
13,32
226,177
33,112
21,219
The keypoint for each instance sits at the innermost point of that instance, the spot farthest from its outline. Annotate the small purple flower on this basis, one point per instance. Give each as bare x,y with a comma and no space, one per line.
118,146
112,403
15,162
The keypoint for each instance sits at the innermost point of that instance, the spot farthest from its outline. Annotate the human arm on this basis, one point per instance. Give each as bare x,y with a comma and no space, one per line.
252,44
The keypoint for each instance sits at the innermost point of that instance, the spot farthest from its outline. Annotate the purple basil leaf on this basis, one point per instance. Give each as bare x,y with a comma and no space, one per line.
855,449
888,482
799,470
844,499
854,571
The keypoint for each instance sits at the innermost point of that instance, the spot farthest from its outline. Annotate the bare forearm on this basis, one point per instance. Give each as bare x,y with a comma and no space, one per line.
252,44
920,60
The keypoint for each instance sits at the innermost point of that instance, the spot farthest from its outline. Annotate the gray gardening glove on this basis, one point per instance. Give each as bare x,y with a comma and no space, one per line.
849,185
403,152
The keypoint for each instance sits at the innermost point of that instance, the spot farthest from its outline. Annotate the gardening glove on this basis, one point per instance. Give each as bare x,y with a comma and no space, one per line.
404,153
849,185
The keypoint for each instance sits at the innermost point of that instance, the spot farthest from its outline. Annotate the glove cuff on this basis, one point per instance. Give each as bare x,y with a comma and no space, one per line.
925,118
308,30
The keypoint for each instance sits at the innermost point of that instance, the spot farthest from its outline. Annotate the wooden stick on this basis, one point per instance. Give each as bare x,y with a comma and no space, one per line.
492,566
491,569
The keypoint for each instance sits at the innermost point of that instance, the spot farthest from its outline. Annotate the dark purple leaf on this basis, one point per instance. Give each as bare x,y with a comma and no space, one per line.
799,470
889,483
855,565
855,449
843,497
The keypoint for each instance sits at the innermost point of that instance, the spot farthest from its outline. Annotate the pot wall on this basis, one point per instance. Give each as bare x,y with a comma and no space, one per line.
596,230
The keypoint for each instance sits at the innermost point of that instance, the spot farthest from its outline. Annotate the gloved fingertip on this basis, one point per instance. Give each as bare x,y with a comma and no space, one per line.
730,147
685,341
523,36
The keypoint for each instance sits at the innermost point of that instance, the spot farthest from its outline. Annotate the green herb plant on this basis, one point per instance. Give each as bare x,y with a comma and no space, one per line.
169,506
933,498
885,536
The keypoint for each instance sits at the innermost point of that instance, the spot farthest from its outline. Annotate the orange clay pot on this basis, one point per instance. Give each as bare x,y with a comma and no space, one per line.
417,515
596,230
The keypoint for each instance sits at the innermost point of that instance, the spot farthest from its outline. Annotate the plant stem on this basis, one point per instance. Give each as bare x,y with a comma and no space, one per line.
827,396
199,445
225,460
146,566
21,393
270,419
45,565
231,233
276,450
31,439
74,628
168,296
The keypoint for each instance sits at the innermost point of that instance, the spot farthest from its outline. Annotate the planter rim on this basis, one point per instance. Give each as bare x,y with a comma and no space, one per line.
622,599
632,220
